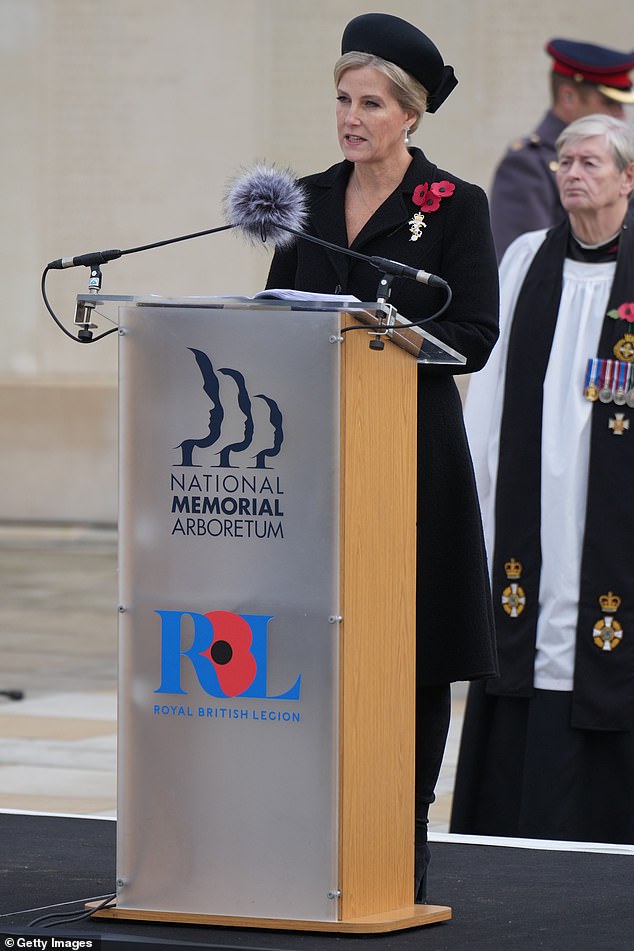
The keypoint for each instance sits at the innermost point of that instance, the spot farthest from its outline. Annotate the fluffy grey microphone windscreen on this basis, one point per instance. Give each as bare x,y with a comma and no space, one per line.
266,203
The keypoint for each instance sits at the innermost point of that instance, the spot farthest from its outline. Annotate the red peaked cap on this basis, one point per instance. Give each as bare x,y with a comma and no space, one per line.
397,41
605,68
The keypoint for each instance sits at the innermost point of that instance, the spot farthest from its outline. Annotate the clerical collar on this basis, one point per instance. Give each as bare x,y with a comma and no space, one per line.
593,253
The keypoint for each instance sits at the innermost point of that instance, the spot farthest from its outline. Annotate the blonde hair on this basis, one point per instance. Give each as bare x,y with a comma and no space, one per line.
408,92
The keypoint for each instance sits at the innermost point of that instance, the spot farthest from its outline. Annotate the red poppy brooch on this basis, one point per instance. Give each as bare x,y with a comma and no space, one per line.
624,312
428,199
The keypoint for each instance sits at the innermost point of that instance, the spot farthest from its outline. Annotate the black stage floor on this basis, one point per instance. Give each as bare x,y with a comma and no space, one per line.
503,899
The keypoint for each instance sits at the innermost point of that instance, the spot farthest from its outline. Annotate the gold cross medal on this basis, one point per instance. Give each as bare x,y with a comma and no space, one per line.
619,423
607,633
513,596
416,225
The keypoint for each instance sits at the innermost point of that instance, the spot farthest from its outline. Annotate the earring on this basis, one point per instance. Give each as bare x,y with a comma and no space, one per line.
406,131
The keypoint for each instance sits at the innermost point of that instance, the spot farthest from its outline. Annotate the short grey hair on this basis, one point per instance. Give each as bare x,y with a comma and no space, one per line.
408,92
618,134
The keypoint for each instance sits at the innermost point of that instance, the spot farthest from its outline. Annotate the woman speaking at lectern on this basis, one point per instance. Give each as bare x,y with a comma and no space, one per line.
386,198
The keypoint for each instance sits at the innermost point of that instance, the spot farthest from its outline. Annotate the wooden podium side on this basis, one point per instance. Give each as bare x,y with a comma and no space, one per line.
378,636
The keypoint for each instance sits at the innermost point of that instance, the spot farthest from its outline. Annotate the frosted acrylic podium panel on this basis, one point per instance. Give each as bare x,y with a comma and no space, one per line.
229,584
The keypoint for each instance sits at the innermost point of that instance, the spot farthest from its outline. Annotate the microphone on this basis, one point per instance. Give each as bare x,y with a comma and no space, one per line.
92,259
269,203
404,270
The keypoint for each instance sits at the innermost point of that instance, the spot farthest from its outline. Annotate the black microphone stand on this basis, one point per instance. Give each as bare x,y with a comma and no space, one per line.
93,260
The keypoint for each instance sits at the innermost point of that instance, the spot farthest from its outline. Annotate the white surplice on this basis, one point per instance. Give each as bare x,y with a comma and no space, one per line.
565,443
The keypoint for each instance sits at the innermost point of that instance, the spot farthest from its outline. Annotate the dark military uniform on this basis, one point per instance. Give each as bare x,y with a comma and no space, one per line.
524,194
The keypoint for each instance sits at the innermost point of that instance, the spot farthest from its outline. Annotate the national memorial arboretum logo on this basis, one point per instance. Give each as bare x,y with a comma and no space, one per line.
225,485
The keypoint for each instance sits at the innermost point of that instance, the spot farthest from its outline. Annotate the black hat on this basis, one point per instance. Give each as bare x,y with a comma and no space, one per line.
404,45
608,70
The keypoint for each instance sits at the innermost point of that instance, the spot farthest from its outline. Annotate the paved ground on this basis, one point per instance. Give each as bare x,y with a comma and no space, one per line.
58,596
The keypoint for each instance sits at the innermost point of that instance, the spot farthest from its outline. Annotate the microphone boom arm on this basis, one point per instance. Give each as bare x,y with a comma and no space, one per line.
102,257
93,260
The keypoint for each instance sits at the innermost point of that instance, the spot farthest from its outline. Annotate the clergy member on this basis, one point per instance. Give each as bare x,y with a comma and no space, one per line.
547,749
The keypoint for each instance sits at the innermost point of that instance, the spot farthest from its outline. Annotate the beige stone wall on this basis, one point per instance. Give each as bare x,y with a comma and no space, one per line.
122,123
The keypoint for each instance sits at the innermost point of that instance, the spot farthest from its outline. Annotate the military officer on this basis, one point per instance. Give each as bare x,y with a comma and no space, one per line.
585,79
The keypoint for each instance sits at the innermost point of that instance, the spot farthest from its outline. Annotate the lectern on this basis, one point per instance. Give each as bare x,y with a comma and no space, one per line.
267,513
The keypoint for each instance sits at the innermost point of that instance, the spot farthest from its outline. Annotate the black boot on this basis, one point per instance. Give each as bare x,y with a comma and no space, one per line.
422,858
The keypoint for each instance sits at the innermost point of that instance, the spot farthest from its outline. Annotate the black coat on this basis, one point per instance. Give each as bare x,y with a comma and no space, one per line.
454,619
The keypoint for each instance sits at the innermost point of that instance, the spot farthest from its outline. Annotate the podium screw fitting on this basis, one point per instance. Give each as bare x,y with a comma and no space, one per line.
334,338
122,609
334,893
335,619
